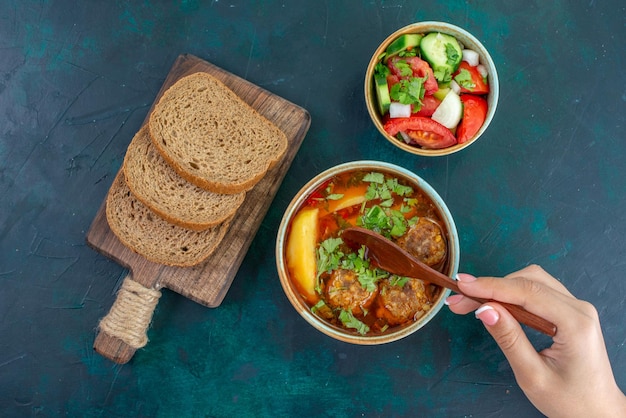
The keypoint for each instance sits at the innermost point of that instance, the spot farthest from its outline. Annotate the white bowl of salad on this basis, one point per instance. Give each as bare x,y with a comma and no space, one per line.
431,88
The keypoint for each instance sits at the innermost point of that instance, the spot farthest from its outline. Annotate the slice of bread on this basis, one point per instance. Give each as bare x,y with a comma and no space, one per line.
157,185
212,138
147,234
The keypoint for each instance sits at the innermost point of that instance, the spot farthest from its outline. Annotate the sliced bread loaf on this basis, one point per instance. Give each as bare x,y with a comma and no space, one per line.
212,138
147,234
157,185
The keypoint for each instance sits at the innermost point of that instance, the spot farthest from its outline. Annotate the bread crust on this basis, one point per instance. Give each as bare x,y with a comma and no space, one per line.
158,186
147,234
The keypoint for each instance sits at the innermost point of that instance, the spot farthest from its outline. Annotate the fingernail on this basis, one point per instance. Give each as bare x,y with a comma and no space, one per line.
465,278
453,300
487,314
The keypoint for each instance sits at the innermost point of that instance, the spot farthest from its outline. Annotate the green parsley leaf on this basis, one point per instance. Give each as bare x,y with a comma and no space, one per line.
399,189
409,91
381,70
331,244
384,192
371,193
399,224
464,79
404,68
442,74
375,219
328,258
399,281
368,278
408,53
451,54
334,196
374,177
368,281
318,305
349,321
323,310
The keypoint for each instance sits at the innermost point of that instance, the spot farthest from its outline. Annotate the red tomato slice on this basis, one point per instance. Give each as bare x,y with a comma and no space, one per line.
474,115
392,80
422,131
420,69
480,86
429,105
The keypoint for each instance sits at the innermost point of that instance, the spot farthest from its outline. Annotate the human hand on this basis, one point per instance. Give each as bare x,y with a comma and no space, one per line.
571,378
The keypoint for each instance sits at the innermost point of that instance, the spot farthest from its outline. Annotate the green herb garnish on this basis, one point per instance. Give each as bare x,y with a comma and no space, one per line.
348,319
404,68
452,55
334,196
464,79
399,281
388,222
399,189
409,91
442,74
408,53
381,70
361,266
381,218
374,177
329,257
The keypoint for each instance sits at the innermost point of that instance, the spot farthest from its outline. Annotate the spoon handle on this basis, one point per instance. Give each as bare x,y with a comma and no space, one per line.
518,312
523,316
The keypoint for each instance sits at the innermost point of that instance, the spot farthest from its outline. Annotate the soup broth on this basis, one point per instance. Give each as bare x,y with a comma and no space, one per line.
342,285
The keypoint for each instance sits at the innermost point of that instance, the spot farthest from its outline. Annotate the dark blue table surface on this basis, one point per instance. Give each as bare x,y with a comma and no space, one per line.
544,185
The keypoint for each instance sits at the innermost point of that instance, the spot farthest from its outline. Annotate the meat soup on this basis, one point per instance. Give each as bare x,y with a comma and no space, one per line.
342,285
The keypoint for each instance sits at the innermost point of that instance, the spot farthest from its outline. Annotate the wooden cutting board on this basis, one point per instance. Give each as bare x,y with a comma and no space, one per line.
208,282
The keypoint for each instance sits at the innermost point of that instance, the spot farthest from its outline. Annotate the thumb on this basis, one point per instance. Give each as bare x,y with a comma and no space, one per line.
522,356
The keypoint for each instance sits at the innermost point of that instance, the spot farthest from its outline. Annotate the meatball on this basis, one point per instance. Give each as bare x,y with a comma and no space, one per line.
344,291
425,241
399,304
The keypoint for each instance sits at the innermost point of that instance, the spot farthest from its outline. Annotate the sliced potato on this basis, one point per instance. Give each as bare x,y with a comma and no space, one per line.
301,259
353,196
346,203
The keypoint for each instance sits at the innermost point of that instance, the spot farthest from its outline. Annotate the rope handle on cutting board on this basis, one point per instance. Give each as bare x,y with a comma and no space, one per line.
124,329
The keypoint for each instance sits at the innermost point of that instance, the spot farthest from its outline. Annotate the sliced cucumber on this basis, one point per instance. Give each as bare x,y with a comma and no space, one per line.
443,53
404,42
382,94
449,111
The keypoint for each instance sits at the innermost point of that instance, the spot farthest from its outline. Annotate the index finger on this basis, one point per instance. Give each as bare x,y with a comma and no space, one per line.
538,274
536,297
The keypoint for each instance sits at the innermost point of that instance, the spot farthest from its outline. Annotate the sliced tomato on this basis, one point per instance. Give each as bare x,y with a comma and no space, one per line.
474,115
392,79
480,87
420,68
429,105
422,131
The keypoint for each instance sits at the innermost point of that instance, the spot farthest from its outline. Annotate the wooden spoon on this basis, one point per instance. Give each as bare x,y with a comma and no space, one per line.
394,259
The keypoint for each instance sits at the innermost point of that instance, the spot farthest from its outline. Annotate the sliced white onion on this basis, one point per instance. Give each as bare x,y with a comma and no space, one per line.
399,110
455,87
471,57
406,138
482,70
449,111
